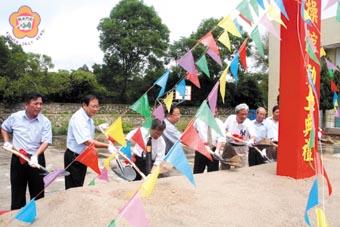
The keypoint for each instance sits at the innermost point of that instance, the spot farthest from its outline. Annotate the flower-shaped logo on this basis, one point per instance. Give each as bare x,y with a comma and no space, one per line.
25,22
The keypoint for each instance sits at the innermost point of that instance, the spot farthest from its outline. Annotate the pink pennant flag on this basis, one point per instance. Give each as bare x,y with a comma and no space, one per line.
134,212
158,112
330,3
337,113
212,97
193,77
104,175
48,179
187,62
213,51
330,65
267,24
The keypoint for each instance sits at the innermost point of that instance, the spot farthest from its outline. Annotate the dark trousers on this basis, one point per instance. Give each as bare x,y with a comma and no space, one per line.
77,170
23,175
200,162
141,164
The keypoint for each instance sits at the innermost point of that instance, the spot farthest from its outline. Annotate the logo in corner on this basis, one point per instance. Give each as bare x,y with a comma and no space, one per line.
25,23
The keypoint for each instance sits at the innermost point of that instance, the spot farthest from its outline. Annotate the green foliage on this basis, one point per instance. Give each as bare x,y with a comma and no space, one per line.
134,42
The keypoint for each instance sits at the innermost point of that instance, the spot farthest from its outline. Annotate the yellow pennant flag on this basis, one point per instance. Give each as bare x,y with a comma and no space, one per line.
115,131
168,100
227,24
321,218
148,186
275,15
108,160
223,80
224,39
322,52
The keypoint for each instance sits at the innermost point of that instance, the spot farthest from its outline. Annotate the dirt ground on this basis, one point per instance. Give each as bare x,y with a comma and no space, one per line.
253,196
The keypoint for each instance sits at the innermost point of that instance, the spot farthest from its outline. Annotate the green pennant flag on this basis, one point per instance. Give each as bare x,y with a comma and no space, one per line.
311,53
338,13
311,138
255,6
141,106
256,37
147,123
204,114
112,223
244,9
93,182
331,73
203,65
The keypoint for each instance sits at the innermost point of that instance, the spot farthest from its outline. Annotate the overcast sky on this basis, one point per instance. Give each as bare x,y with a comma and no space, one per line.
70,26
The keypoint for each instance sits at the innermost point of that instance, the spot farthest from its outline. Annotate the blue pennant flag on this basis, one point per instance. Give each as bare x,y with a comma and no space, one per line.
313,200
234,67
180,88
280,4
260,2
28,213
127,149
162,82
177,158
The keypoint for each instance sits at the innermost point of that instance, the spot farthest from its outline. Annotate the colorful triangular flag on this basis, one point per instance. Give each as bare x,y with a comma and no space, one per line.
180,88
330,65
255,6
330,3
107,161
158,112
138,138
28,213
177,158
212,97
92,182
320,217
112,223
275,15
191,139
224,39
141,106
335,100
213,51
127,149
243,54
115,131
310,51
187,62
244,9
227,24
48,179
223,81
322,52
281,6
168,100
134,212
260,2
256,37
334,88
234,67
193,77
162,82
313,200
89,158
203,65
104,175
150,182
267,24
204,114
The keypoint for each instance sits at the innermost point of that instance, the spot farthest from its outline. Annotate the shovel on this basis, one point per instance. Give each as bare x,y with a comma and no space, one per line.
125,172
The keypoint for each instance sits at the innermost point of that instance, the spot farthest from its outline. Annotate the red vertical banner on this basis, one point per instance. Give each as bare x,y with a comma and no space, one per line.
299,88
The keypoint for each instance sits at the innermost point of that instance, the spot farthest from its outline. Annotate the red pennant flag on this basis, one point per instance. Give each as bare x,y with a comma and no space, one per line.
209,41
319,168
138,138
191,138
193,77
243,54
89,158
334,88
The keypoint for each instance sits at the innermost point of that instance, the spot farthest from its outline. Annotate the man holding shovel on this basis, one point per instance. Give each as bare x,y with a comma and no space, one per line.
31,135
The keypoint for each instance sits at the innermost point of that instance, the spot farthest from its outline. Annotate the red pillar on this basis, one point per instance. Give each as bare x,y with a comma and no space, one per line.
294,89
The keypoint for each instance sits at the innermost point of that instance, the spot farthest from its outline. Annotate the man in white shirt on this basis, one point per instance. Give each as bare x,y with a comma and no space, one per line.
214,143
171,133
273,123
157,145
240,134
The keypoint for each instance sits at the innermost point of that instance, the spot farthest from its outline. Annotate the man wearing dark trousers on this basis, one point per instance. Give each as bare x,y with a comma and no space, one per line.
80,134
31,135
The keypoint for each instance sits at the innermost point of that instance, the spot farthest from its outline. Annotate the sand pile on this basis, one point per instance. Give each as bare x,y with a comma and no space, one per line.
245,197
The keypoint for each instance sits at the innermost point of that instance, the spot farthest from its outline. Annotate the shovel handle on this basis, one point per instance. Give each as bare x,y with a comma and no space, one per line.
25,158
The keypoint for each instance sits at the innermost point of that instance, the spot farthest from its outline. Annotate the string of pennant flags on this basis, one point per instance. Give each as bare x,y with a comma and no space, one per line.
247,13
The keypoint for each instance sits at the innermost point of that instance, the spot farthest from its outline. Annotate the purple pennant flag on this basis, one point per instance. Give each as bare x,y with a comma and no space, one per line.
158,112
214,56
104,175
265,22
330,65
187,62
52,176
212,97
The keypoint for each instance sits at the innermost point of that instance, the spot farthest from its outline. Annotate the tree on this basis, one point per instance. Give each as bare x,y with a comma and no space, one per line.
132,38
